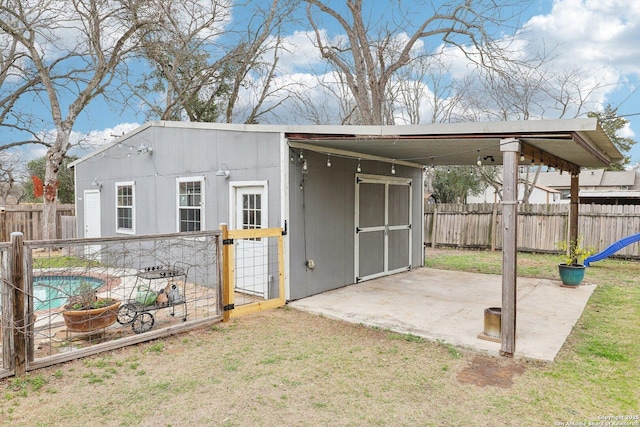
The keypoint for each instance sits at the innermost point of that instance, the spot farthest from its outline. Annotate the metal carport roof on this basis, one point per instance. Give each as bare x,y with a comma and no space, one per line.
561,144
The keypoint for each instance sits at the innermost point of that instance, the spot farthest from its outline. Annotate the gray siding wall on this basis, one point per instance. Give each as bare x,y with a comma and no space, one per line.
179,152
322,220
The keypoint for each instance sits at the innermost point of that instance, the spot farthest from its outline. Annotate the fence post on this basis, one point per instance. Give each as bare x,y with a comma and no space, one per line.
3,221
19,325
433,226
493,227
227,298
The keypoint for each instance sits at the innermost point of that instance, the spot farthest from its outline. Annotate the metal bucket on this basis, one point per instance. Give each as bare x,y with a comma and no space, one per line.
492,321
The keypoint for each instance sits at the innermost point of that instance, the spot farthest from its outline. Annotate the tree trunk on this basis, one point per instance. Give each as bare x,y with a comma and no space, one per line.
55,155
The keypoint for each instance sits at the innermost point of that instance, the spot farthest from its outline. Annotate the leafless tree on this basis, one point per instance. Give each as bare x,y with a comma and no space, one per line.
178,51
71,51
524,93
203,80
425,86
370,53
11,190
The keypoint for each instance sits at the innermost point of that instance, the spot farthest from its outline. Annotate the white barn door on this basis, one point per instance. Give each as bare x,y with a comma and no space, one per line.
249,204
383,226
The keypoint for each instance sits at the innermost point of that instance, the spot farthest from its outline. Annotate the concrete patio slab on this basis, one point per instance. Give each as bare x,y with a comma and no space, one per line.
449,306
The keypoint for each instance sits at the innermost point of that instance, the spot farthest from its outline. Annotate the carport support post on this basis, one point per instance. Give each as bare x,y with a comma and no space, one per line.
573,208
511,149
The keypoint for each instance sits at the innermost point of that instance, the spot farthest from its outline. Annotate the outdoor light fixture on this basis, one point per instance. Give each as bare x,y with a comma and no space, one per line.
393,168
142,149
359,168
328,160
223,171
97,183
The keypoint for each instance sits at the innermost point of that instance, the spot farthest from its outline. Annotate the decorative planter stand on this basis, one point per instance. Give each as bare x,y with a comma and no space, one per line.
571,274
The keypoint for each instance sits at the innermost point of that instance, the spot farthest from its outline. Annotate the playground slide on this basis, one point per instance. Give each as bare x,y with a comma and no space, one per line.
612,249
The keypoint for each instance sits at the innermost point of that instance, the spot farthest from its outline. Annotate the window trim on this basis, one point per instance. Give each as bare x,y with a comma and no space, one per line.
131,184
201,180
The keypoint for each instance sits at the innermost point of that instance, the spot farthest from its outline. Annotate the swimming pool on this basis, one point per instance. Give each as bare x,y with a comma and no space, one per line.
52,291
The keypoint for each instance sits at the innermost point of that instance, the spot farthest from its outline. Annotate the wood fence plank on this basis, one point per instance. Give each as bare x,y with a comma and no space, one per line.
540,227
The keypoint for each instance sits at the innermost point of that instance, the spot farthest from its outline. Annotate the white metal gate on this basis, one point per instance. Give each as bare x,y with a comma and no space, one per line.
383,226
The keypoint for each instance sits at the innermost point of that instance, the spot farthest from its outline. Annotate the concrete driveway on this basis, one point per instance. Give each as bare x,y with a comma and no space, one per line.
449,306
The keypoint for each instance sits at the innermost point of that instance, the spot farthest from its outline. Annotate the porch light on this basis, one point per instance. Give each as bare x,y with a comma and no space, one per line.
97,183
143,149
223,171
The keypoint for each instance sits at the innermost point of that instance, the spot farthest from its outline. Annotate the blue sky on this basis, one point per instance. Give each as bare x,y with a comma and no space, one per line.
599,35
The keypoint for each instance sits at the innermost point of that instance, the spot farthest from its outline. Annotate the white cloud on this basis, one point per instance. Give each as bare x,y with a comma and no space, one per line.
599,33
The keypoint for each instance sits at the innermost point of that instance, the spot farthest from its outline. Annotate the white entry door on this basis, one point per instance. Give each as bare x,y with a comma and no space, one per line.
251,260
91,218
383,226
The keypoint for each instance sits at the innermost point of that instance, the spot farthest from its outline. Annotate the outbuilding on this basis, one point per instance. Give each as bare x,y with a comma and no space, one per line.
349,197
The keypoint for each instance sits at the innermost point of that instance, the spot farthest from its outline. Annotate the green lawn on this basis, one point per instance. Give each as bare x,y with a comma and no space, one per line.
287,367
600,362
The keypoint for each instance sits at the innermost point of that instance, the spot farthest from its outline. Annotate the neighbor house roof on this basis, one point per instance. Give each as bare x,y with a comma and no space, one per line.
596,178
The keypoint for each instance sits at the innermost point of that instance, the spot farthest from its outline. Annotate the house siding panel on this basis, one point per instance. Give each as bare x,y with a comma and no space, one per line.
326,233
181,153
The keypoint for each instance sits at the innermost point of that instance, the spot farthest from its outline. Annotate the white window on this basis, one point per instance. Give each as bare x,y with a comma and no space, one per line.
125,205
190,204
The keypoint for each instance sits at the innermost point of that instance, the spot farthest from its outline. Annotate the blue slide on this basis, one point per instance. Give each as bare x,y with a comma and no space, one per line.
612,249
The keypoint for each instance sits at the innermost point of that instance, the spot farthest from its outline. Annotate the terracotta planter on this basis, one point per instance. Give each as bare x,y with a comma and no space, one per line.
571,274
89,320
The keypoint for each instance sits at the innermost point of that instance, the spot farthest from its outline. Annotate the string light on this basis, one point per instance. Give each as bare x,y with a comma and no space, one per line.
328,160
305,168
479,162
359,168
393,168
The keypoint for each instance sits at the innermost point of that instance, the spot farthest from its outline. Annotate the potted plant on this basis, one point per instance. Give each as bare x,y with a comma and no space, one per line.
572,268
86,312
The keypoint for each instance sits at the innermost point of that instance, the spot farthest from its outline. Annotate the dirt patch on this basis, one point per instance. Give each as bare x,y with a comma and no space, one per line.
487,371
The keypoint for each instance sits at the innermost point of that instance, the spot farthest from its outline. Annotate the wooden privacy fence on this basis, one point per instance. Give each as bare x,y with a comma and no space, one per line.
27,219
540,227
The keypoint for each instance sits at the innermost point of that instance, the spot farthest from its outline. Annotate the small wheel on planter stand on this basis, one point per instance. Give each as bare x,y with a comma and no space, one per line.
142,322
126,314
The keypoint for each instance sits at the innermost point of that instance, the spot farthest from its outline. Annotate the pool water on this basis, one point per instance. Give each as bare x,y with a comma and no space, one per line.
52,291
